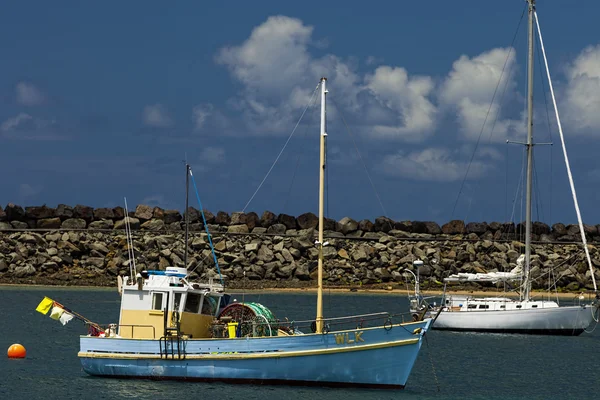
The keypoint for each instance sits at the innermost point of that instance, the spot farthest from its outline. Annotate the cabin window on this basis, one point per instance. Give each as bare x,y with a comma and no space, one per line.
192,303
177,301
485,306
157,301
503,306
519,306
209,306
534,306
472,306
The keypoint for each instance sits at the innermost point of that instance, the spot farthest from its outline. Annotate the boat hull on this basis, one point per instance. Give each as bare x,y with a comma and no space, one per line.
372,357
567,321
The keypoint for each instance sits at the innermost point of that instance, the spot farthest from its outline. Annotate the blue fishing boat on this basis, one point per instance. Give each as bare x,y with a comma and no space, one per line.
172,328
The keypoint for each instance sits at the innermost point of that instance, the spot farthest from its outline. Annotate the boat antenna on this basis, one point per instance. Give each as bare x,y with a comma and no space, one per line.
319,242
186,214
129,239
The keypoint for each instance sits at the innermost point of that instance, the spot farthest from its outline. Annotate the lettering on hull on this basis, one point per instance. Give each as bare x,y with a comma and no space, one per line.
348,338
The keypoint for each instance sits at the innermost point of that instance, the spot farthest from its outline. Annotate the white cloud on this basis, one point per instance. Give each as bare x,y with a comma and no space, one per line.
212,155
28,95
27,127
468,90
200,113
13,123
581,97
432,164
156,116
407,97
278,76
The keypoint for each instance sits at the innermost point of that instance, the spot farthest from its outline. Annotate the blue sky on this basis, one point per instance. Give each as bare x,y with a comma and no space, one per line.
104,100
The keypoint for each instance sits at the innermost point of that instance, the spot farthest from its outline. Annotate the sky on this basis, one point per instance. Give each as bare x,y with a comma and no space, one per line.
101,101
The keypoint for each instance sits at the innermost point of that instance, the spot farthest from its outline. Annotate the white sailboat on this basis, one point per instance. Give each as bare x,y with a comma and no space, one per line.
525,315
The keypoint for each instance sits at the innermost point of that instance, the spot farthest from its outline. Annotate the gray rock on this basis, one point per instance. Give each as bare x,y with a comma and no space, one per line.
302,272
287,220
38,212
153,225
134,223
104,213
477,228
265,254
73,223
3,266
143,212
19,225
267,219
237,228
27,270
222,218
64,212
276,229
348,225
365,225
251,247
49,223
307,221
171,216
383,224
454,227
5,226
83,212
559,229
14,212
259,230
118,212
102,224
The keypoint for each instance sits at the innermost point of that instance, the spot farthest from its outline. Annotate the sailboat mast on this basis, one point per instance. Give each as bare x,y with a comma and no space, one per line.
186,216
530,64
319,319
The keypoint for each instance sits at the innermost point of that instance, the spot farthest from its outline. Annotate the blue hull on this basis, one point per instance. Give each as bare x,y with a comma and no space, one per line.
371,357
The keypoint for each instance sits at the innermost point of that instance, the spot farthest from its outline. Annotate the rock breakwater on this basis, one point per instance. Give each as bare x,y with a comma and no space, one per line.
84,246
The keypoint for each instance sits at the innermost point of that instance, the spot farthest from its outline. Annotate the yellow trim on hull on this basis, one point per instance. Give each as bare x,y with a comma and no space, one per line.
246,356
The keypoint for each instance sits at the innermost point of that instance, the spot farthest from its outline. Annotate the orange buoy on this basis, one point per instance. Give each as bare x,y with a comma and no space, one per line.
16,351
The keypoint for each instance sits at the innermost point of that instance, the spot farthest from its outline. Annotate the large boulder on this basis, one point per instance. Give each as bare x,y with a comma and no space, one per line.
193,215
39,212
222,218
14,212
559,229
287,220
348,225
276,229
454,227
49,223
267,219
134,223
153,225
118,213
307,220
143,212
171,216
102,224
406,226
540,228
365,225
2,215
83,212
104,213
158,213
73,223
252,220
383,224
64,212
238,218
477,228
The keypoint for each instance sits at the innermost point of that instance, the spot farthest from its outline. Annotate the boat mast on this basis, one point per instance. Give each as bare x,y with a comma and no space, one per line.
527,283
186,216
319,320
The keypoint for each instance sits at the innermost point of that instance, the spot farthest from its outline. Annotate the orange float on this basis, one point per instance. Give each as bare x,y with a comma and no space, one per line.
16,351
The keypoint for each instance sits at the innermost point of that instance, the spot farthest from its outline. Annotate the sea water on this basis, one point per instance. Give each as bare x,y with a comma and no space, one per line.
449,366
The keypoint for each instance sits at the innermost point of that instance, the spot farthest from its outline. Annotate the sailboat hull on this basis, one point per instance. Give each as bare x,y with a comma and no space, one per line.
371,357
567,321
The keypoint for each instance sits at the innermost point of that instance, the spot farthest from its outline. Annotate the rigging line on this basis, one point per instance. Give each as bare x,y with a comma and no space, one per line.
564,147
361,158
488,112
212,248
282,150
295,169
549,132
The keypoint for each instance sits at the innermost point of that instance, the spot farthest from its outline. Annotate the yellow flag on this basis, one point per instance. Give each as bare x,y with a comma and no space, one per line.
45,305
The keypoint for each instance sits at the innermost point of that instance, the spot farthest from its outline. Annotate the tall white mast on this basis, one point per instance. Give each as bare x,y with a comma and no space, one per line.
319,319
527,282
